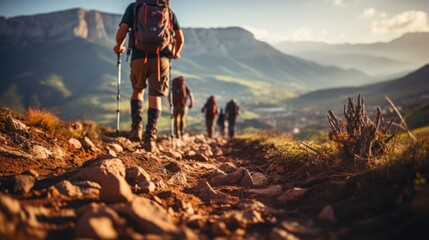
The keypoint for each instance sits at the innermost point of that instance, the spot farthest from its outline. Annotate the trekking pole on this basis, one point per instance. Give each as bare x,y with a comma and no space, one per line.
118,94
171,108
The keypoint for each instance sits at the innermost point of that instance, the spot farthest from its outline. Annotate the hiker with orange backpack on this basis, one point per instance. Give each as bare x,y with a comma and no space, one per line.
180,93
210,109
155,38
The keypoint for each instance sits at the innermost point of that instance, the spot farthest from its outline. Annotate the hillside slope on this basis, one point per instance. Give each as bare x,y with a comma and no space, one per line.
411,88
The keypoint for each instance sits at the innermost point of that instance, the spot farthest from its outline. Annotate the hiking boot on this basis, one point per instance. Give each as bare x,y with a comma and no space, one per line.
136,119
136,133
149,143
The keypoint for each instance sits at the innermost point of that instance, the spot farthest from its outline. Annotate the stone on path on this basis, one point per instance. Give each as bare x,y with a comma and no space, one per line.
327,214
110,174
207,193
241,176
23,184
97,223
292,195
270,191
148,217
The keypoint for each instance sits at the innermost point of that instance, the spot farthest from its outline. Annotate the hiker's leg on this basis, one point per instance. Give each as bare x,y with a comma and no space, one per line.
176,119
158,88
210,126
138,83
182,115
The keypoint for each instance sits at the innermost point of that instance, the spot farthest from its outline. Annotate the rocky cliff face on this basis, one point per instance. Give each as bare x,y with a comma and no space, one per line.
62,26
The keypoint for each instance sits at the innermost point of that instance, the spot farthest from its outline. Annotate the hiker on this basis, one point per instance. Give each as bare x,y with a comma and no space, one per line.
150,62
221,122
210,109
232,110
181,93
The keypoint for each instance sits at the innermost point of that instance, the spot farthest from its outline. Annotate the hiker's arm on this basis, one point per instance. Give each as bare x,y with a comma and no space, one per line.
180,40
120,38
191,99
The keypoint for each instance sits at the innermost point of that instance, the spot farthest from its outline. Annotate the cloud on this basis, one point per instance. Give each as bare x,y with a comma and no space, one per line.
410,21
368,13
338,2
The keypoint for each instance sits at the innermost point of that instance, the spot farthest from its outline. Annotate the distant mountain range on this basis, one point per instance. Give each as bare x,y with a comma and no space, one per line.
408,90
403,54
63,61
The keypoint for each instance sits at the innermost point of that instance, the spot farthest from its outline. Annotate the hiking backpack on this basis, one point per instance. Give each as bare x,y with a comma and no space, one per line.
179,91
153,30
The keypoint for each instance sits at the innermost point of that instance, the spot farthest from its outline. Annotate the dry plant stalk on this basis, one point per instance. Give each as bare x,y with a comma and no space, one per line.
359,136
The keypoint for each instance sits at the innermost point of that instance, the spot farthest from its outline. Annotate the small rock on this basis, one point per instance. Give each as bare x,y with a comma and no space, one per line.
199,157
241,176
115,147
75,143
196,222
207,193
327,214
58,152
280,234
173,154
259,179
173,167
30,172
67,188
159,184
97,224
297,228
147,187
178,179
88,145
40,152
219,229
15,125
136,175
148,217
271,191
23,184
246,180
292,195
227,167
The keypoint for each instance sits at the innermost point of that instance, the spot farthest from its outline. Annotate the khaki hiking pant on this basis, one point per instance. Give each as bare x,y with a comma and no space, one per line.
156,73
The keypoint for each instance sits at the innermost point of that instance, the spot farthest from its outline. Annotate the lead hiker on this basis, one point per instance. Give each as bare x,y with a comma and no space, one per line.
232,110
155,38
181,93
210,110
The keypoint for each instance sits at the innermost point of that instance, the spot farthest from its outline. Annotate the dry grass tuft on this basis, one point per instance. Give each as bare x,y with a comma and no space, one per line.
43,119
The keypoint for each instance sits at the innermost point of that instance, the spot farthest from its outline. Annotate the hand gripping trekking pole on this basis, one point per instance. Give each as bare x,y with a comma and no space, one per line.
118,94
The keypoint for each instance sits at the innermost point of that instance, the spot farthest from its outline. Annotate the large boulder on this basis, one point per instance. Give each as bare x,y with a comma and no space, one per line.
110,174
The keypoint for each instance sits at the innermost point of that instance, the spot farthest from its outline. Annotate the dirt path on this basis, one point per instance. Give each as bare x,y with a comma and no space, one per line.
103,187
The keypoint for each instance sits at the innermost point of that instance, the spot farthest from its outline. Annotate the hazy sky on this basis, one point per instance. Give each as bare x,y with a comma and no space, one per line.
314,20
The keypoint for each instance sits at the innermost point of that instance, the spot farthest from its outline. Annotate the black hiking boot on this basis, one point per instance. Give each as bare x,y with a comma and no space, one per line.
151,129
136,118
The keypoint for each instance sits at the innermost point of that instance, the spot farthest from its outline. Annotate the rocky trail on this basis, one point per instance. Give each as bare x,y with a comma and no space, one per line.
106,187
